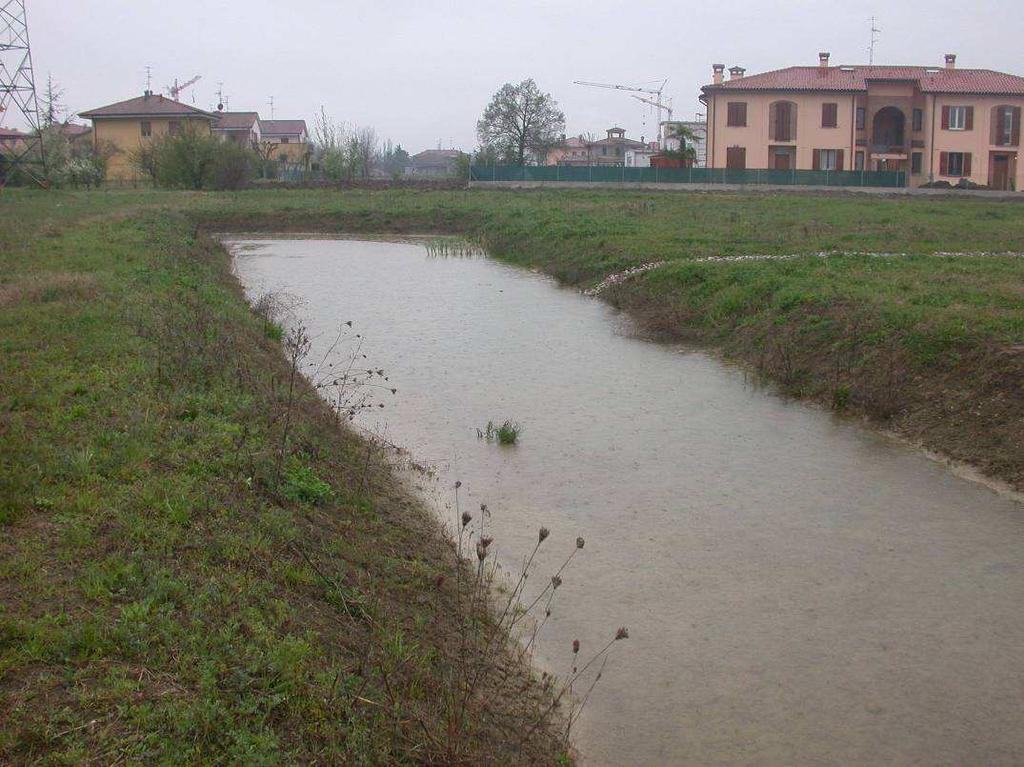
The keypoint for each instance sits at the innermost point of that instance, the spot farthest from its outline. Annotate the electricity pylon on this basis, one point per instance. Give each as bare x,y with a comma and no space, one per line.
18,97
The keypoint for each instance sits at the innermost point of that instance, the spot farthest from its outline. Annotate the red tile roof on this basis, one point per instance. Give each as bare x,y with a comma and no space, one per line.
236,120
153,105
856,78
283,127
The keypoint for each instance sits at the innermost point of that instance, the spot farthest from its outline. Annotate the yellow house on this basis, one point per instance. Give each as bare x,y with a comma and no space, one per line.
287,141
123,128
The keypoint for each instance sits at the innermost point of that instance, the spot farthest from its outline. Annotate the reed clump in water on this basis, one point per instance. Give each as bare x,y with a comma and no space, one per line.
505,433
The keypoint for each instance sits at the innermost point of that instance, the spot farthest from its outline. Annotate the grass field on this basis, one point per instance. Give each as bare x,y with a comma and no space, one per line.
169,593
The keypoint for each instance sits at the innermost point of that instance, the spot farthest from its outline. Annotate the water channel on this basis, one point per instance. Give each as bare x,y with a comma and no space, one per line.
799,589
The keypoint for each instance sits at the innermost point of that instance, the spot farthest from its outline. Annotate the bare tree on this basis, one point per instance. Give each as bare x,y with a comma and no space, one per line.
364,150
520,121
326,133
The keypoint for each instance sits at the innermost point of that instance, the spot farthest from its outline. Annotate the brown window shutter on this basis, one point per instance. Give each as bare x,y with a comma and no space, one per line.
967,163
773,121
969,120
995,134
943,163
816,163
839,159
945,118
1015,132
743,113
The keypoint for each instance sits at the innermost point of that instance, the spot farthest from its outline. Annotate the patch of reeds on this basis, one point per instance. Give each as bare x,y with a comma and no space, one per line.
505,433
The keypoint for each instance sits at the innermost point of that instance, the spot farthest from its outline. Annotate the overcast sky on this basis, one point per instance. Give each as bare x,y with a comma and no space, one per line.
421,71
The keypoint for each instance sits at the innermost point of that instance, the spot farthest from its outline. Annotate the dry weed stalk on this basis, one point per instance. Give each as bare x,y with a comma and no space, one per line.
486,643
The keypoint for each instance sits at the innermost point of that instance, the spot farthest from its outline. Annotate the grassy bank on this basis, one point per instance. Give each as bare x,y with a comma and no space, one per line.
176,587
182,580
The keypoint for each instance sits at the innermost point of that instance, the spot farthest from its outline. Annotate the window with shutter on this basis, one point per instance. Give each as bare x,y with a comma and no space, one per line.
827,159
915,163
861,114
954,164
737,114
917,120
829,115
736,158
1005,126
782,126
958,118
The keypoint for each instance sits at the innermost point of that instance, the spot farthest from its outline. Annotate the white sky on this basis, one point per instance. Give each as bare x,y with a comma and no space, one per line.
422,72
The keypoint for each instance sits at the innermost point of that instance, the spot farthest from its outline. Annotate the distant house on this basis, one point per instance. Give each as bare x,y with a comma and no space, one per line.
287,141
640,157
699,142
76,135
128,125
572,148
243,128
434,163
11,139
610,150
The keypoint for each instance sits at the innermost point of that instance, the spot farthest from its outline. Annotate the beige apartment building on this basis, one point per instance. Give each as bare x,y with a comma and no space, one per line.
932,123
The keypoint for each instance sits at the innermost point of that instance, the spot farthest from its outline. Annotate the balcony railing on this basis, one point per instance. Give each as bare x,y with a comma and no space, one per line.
888,149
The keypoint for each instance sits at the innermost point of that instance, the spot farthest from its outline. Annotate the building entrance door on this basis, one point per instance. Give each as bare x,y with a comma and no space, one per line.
782,158
999,172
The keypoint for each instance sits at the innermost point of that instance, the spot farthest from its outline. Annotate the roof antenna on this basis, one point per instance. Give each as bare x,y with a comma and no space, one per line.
149,77
874,39
271,107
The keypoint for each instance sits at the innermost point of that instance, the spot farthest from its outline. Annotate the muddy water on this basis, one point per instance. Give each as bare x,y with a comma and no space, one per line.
798,589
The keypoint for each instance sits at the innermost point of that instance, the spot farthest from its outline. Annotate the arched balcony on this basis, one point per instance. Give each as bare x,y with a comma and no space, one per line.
888,131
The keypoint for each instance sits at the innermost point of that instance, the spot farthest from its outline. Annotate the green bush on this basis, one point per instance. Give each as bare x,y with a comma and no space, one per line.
195,159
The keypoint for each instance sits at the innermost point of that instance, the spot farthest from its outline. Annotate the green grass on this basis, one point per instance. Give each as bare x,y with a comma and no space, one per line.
167,595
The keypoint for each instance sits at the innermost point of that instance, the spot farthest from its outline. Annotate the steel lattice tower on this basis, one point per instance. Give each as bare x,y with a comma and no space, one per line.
18,95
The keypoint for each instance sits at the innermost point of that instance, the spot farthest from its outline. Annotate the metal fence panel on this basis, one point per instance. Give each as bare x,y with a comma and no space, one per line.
621,174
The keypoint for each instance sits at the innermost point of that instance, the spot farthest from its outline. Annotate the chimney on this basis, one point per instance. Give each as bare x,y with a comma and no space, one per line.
146,94
736,73
719,70
823,59
950,61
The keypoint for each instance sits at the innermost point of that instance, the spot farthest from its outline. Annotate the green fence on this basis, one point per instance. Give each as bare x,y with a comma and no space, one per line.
622,174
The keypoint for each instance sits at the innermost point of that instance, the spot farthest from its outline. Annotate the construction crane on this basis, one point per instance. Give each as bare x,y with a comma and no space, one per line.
175,90
657,102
